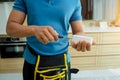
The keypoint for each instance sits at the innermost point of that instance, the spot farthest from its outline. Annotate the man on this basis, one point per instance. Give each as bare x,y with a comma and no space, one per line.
47,19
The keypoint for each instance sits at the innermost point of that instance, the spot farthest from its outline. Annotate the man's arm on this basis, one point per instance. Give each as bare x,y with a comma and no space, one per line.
78,30
15,28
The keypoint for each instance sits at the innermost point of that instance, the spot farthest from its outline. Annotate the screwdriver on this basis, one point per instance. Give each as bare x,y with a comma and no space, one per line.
59,36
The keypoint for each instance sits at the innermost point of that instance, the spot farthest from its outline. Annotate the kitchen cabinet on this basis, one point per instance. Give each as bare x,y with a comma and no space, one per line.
11,65
105,54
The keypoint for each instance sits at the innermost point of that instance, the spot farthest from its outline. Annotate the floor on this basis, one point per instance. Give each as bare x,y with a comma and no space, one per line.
108,74
11,76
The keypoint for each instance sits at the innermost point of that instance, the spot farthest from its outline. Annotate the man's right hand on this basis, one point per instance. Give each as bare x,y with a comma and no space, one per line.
16,28
45,34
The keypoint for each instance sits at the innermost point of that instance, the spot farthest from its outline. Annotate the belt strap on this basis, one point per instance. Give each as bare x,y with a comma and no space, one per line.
32,51
72,70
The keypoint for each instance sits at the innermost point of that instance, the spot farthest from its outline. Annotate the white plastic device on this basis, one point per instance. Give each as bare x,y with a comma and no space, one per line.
76,38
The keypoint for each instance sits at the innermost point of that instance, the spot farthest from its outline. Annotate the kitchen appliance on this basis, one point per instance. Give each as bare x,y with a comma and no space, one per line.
12,47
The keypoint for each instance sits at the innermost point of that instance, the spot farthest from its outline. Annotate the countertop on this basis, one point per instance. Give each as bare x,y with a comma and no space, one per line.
99,29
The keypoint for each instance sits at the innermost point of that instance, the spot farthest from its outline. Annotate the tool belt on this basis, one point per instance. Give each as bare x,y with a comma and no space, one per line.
50,67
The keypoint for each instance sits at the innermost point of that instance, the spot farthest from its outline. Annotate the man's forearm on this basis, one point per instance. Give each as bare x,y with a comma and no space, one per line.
18,30
77,28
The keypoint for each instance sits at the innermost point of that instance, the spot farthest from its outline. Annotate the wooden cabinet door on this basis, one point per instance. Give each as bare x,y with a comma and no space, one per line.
110,38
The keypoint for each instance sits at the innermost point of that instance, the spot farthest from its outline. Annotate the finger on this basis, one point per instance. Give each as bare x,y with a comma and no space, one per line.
88,46
73,44
44,39
39,38
79,46
94,42
53,33
49,36
84,43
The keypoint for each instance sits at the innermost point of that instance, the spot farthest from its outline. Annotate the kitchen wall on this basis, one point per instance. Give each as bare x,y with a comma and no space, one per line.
104,9
5,9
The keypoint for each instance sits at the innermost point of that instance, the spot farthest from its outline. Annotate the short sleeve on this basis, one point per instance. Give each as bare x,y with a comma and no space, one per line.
77,12
20,5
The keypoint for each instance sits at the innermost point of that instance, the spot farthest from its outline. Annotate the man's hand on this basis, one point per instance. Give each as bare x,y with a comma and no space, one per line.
45,34
82,45
77,29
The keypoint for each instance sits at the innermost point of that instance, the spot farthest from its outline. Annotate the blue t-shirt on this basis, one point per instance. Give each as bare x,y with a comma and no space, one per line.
55,13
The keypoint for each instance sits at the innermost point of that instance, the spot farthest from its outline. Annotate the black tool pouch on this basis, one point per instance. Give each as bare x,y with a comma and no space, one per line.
51,67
